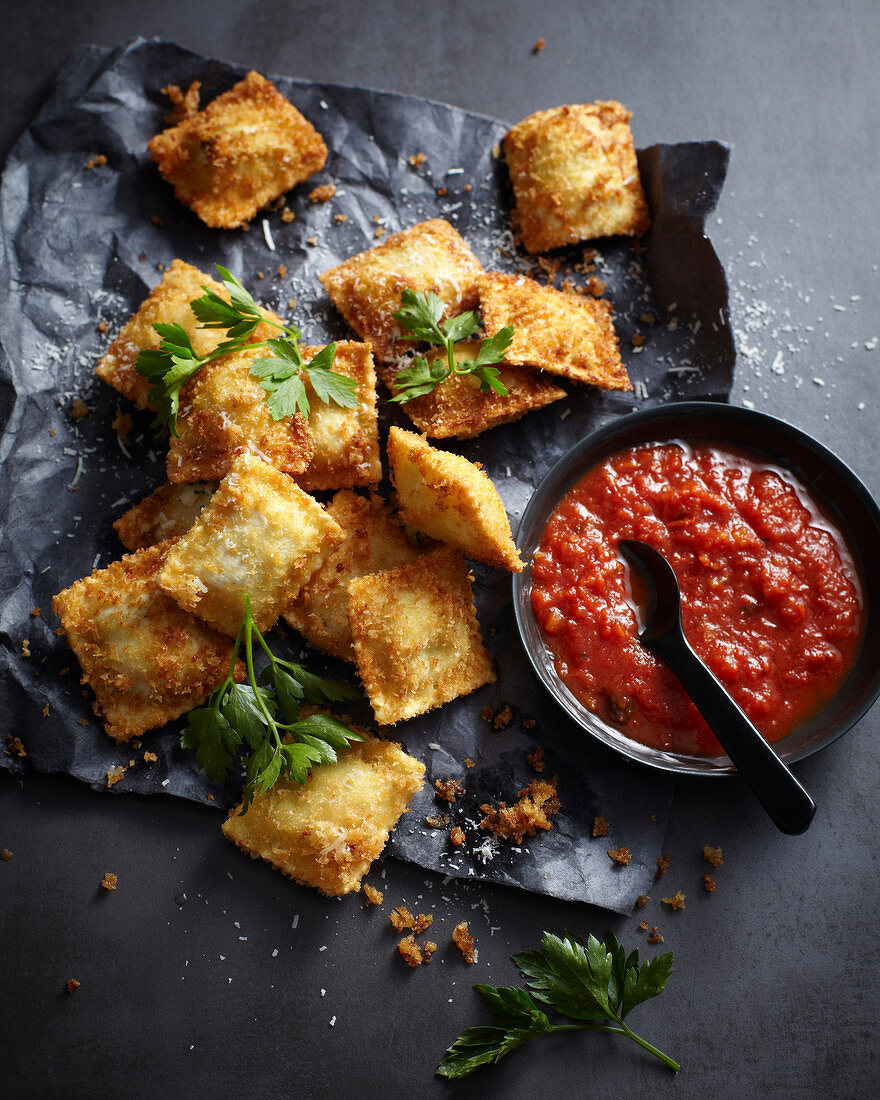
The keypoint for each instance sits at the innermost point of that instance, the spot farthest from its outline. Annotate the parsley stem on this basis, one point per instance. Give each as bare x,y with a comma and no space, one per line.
622,1029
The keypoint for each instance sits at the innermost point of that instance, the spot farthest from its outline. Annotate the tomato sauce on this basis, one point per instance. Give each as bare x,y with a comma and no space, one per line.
770,595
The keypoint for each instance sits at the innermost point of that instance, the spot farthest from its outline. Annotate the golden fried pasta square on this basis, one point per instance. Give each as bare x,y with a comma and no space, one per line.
452,500
259,536
167,513
459,408
144,657
246,148
346,440
326,832
430,257
372,540
224,411
575,175
416,637
553,330
168,303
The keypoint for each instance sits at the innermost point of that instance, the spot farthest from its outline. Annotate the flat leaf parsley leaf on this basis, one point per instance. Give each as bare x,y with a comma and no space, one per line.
263,715
170,366
595,983
420,314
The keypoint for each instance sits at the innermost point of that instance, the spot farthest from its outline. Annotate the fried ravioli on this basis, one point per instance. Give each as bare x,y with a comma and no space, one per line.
246,148
575,175
260,536
168,303
450,499
144,657
430,257
373,540
223,411
346,440
459,408
554,331
416,637
167,513
326,833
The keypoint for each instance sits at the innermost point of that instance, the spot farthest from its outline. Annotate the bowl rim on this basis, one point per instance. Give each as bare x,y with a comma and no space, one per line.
572,465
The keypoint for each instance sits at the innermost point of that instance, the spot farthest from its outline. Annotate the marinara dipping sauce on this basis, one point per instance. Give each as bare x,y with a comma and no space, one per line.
770,595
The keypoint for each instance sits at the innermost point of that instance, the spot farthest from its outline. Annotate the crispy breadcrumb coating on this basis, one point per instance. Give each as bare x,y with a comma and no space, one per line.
676,901
464,941
413,953
167,513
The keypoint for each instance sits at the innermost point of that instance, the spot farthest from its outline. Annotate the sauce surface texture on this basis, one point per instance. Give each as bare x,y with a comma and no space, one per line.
770,597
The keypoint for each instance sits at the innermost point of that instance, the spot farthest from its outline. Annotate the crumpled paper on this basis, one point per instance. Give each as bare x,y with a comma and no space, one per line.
81,248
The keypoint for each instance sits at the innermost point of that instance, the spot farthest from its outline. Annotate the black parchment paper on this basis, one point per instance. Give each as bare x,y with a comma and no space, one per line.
81,246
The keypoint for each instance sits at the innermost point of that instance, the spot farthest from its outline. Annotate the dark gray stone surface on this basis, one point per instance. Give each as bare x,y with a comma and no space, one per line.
775,989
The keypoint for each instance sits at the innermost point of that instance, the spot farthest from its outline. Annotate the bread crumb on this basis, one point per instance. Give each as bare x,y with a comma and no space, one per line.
708,883
312,241
282,270
601,827
637,340
378,233
647,319
340,218
503,718
449,790
456,835
35,612
109,881
150,758
402,919
537,804
662,865
539,45
156,220
468,763
436,821
25,647
15,746
676,901
623,856
103,327
642,900
96,161
324,193
72,985
291,303
417,160
464,941
712,855
46,711
122,425
6,854
287,215
183,104
115,773
655,936
596,286
413,953
372,896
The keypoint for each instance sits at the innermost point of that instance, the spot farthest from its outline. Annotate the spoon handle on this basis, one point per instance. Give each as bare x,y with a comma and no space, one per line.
773,784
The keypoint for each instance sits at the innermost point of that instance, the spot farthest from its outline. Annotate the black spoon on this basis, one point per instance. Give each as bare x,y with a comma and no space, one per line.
781,795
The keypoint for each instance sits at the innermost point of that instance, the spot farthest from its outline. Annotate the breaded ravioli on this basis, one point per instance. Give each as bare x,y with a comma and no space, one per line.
260,536
372,540
144,657
430,257
450,499
246,148
168,303
459,408
554,331
346,440
416,637
224,411
326,832
167,513
575,175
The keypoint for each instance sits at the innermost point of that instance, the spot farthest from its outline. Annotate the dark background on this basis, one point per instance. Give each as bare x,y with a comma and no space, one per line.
775,990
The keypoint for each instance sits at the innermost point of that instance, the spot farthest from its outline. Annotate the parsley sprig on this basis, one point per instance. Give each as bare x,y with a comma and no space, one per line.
259,713
420,315
595,982
170,366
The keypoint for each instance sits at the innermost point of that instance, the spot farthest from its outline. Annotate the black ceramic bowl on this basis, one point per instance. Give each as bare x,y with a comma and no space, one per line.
834,486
